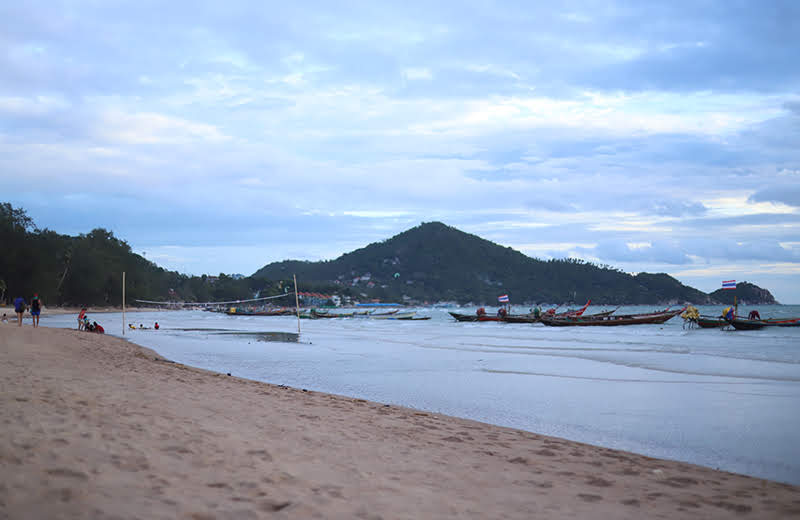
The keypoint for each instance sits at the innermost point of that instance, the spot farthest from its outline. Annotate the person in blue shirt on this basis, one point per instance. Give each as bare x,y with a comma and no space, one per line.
19,308
36,309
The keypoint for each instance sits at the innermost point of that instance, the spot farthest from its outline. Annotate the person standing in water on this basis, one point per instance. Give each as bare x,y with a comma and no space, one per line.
36,309
19,308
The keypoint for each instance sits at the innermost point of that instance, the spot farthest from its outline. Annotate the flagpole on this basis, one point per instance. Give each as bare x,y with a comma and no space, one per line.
123,303
297,303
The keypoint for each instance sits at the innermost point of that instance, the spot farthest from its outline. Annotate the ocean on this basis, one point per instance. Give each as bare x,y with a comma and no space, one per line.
718,398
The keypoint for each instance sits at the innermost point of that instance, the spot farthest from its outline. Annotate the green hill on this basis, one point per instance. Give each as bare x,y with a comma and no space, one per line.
746,294
426,264
435,262
87,269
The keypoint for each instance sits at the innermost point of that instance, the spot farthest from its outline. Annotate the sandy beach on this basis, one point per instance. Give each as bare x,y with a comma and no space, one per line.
97,427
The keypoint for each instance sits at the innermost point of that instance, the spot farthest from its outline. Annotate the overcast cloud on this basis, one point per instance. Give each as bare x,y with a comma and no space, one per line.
218,137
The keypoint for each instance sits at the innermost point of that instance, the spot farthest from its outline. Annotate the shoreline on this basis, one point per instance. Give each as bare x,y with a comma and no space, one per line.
99,424
58,311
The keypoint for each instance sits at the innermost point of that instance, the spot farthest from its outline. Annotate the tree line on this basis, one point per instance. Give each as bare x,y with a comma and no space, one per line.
87,269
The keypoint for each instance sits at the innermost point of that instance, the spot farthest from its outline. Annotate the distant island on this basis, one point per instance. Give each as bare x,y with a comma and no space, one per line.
746,294
434,262
428,264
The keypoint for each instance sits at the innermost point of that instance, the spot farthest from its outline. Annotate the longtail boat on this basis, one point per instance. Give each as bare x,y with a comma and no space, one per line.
744,324
612,319
393,316
319,314
464,317
526,318
530,318
520,318
710,322
373,314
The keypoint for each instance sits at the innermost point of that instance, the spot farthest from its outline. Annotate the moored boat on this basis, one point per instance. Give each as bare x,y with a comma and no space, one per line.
529,317
393,316
747,324
464,317
612,319
710,322
520,318
320,314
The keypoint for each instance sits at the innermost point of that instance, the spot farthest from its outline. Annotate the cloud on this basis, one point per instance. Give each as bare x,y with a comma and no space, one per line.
620,251
789,195
153,128
650,136
793,106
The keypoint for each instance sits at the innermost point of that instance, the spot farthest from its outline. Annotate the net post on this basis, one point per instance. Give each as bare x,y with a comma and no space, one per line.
296,303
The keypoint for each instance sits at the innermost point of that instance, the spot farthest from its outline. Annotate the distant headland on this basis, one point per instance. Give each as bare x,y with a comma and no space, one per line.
427,264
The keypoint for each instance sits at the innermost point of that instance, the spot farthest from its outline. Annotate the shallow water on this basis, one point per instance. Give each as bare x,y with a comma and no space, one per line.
724,399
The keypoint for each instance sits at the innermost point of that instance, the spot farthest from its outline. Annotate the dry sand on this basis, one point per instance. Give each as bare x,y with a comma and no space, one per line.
96,427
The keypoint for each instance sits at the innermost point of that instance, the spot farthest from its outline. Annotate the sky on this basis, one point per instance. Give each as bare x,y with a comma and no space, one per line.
222,136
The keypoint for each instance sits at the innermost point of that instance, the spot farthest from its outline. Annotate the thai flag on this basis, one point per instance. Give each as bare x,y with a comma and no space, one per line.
503,299
729,284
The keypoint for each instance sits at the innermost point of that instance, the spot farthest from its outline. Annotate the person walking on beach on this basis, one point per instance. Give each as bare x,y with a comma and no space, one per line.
81,316
19,308
36,309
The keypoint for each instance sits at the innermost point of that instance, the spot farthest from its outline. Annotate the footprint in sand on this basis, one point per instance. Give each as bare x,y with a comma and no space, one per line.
261,454
66,472
273,505
734,508
679,482
599,482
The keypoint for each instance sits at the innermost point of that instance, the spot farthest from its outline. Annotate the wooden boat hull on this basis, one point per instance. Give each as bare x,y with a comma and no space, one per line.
487,317
316,315
743,324
396,316
464,317
707,322
613,320
518,318
521,318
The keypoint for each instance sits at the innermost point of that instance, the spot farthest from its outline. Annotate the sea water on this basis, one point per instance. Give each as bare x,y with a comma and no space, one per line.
719,398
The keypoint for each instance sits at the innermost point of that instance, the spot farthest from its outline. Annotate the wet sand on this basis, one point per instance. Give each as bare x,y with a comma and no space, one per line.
96,427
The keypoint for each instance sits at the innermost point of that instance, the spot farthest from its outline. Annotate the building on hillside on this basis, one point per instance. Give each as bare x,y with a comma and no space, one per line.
312,299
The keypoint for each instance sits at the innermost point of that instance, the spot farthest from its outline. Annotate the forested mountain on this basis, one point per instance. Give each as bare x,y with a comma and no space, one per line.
434,262
746,293
428,263
87,269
